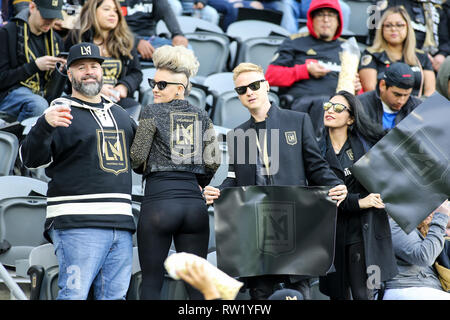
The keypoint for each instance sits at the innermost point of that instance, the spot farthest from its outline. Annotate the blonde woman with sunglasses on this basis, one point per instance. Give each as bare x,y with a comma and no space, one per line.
363,237
395,41
176,149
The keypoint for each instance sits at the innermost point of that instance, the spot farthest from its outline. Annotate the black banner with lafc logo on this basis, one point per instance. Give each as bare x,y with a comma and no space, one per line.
286,230
410,166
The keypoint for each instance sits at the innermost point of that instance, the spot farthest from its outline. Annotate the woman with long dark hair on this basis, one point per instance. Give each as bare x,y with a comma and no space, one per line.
176,147
101,22
363,237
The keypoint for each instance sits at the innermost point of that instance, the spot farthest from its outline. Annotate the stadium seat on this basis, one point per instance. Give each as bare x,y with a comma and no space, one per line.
21,224
28,123
19,186
188,25
9,147
211,50
359,18
244,30
229,111
145,92
43,271
259,51
197,97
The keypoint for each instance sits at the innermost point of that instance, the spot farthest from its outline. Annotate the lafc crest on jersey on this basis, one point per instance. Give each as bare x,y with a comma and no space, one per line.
184,131
114,158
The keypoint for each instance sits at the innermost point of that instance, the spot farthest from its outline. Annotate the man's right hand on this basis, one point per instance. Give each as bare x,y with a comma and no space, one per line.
316,70
145,49
46,63
211,194
58,116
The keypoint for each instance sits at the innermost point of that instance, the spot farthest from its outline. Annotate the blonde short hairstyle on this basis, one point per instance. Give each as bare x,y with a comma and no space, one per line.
176,59
246,67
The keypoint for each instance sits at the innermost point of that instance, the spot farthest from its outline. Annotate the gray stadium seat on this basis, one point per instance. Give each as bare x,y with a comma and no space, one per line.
21,224
18,186
145,92
188,25
197,97
9,146
259,51
359,17
43,271
229,111
211,50
247,29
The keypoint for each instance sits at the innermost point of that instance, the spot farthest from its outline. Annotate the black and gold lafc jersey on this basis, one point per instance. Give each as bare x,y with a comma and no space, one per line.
88,164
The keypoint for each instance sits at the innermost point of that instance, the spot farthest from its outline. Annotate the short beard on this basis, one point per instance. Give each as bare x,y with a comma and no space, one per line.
87,89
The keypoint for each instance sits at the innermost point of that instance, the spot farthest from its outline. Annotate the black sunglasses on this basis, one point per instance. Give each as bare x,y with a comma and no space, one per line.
337,107
253,86
162,84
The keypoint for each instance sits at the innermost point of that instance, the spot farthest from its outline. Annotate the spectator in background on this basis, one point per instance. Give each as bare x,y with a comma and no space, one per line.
395,41
229,8
142,16
28,56
416,253
5,11
443,79
197,9
444,36
392,101
102,23
303,7
363,237
307,65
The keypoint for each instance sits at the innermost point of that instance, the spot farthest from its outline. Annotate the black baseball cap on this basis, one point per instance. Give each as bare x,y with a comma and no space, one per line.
50,9
399,75
84,50
286,294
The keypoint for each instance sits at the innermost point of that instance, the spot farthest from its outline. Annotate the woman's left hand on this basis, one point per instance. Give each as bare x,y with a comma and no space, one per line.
357,84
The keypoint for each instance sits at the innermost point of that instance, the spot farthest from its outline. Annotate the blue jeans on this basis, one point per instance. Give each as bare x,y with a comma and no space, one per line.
22,103
208,13
93,256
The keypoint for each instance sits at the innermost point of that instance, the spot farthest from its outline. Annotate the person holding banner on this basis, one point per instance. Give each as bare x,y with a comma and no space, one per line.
285,152
363,237
176,148
416,254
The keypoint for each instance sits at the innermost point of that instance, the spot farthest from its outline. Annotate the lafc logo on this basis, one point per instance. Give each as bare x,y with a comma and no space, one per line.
276,228
54,3
291,137
112,155
85,50
184,129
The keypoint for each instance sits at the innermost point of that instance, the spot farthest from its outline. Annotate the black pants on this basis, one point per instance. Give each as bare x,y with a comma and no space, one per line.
184,219
356,273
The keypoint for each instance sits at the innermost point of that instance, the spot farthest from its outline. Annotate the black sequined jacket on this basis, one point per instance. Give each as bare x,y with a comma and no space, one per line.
176,136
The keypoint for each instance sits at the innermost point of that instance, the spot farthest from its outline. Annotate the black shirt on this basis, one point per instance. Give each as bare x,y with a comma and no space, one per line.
262,179
37,47
380,61
346,158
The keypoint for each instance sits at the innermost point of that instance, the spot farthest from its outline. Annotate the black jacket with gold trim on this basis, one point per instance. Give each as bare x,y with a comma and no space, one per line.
88,164
15,67
176,136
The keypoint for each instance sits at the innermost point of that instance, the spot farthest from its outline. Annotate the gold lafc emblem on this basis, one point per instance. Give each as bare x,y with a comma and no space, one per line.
184,130
112,157
291,137
54,3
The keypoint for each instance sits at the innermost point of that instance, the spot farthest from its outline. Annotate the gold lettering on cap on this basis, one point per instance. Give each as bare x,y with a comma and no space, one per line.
85,50
54,3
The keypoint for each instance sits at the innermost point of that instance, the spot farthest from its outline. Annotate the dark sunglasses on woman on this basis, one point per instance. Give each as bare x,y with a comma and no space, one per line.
337,107
253,86
162,84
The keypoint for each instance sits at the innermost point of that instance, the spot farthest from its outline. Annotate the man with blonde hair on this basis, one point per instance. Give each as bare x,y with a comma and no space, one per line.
288,155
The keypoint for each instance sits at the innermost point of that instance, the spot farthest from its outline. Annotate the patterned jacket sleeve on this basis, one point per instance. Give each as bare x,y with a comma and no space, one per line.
140,149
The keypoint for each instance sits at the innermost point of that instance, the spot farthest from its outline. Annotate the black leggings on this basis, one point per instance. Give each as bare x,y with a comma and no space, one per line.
186,219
